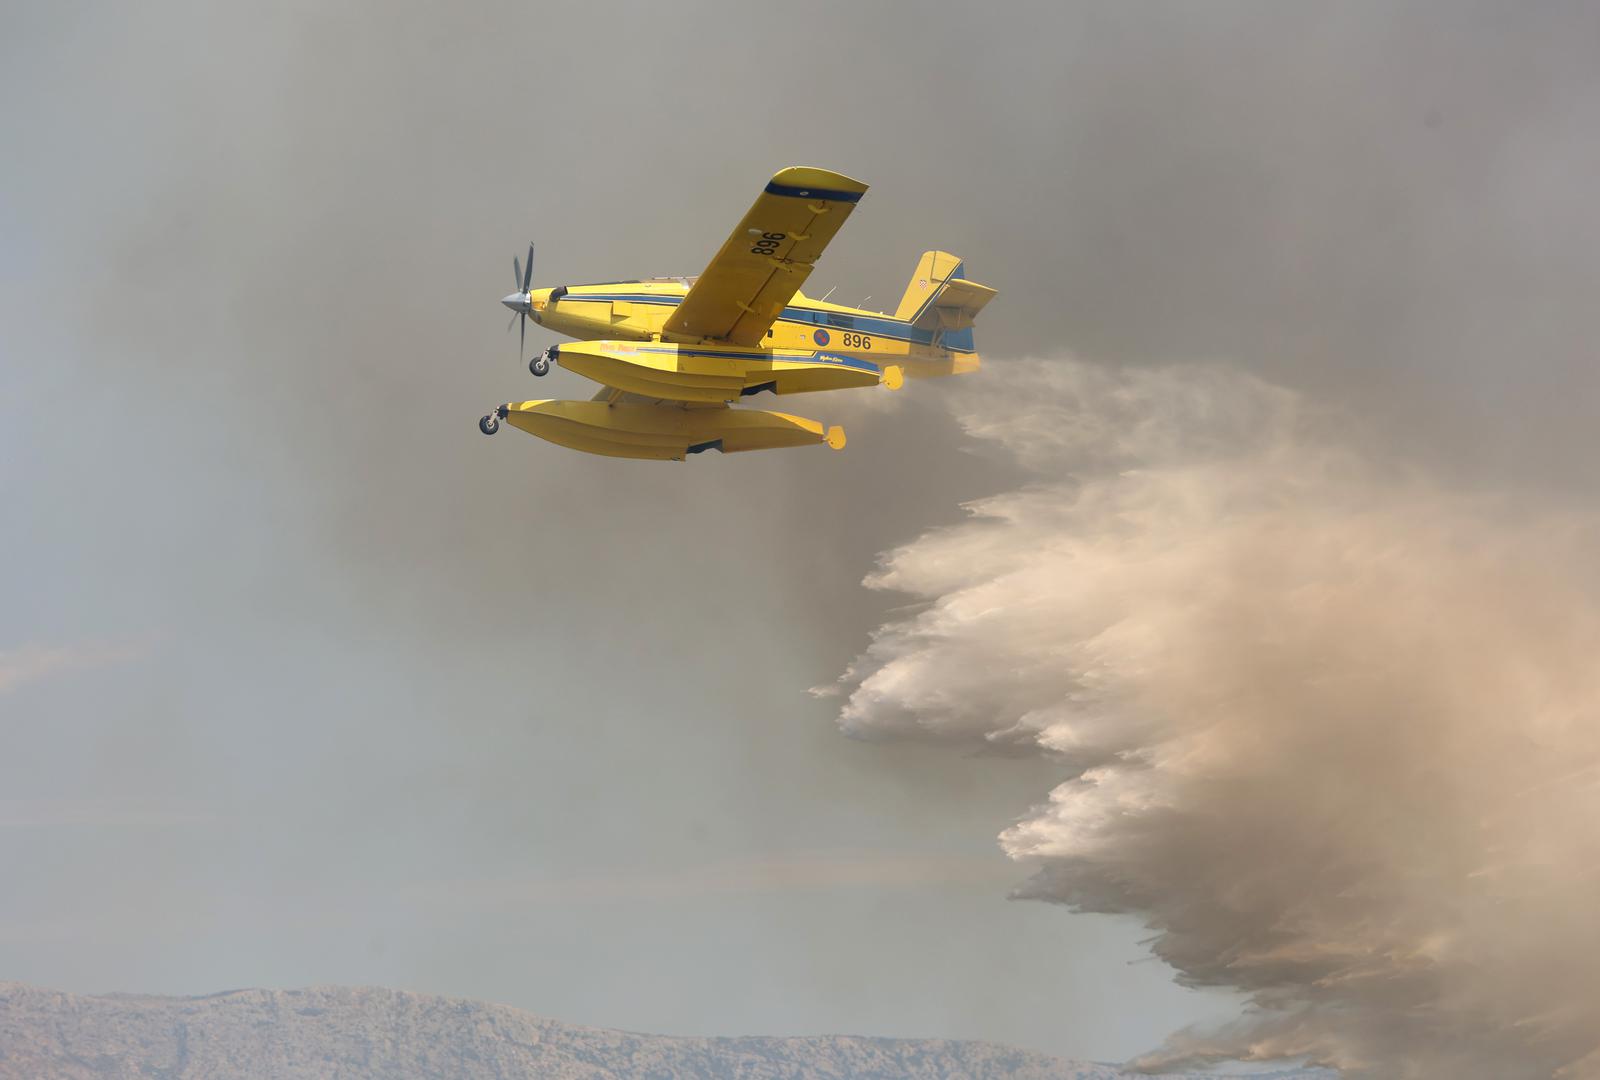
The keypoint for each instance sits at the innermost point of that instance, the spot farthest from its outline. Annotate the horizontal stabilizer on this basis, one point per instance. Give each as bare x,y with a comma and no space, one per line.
957,305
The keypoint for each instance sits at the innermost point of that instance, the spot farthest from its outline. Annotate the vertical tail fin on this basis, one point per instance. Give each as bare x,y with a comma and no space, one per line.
934,270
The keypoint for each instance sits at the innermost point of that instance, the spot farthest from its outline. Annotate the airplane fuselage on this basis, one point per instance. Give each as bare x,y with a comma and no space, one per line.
635,311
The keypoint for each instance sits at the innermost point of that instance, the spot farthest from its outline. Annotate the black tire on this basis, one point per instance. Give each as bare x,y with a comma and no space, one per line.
489,425
540,365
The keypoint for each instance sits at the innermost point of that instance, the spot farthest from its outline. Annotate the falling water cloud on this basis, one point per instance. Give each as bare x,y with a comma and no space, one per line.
1327,724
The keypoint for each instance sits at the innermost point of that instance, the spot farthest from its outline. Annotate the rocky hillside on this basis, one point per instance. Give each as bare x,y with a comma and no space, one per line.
338,1033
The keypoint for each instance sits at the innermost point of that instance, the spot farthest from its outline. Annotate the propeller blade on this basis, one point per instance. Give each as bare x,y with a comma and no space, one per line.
516,271
512,323
522,338
527,274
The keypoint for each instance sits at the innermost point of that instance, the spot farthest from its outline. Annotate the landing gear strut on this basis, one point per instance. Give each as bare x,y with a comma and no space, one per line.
540,365
491,423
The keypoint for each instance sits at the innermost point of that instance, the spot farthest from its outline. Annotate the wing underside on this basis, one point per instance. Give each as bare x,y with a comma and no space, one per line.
767,259
612,396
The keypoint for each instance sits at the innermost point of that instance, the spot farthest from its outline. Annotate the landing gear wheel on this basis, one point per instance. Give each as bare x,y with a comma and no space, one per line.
540,365
489,424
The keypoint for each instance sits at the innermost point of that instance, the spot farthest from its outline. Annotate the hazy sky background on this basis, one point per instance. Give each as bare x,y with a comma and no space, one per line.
303,680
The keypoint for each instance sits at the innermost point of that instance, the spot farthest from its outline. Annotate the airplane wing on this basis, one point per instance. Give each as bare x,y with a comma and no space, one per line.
766,259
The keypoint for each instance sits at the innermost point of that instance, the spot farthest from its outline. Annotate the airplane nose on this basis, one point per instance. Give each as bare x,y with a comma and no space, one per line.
517,301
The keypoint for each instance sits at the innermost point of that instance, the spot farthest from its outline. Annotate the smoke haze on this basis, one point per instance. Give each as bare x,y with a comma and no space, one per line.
302,680
1327,725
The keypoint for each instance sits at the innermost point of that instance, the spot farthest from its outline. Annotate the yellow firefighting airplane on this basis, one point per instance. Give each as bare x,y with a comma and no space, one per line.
673,354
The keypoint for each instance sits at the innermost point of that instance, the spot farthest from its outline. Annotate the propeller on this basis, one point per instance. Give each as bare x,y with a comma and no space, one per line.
522,276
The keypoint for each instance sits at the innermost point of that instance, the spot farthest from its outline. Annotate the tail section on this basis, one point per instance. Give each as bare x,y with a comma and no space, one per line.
941,301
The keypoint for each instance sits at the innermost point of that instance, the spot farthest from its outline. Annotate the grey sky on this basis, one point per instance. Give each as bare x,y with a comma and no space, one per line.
306,681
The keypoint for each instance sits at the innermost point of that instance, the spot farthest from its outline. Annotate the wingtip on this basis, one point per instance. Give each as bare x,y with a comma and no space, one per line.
811,176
